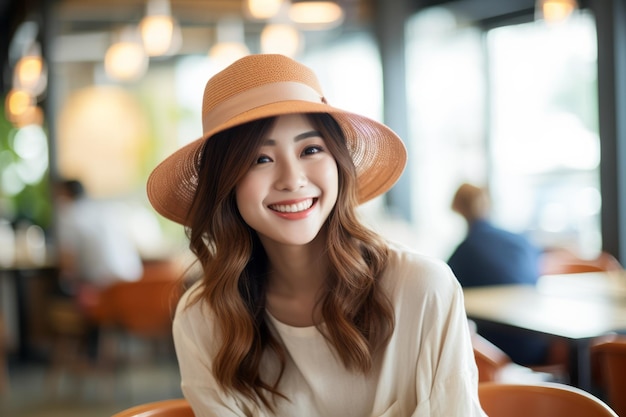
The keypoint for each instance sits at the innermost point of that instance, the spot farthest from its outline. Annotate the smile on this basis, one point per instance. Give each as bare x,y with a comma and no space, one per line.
293,208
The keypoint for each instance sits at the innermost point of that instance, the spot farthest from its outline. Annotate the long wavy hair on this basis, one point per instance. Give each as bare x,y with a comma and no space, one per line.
358,316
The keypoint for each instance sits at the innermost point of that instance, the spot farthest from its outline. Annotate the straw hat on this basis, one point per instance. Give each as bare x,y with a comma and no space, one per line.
264,85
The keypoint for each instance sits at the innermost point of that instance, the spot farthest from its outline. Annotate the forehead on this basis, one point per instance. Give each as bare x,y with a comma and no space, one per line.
290,124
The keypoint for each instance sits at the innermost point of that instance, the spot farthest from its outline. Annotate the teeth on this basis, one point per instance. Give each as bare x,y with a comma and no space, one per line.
293,208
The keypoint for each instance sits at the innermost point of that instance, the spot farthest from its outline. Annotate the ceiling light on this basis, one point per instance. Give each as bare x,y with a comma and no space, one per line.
281,39
30,74
160,32
225,53
262,9
316,14
555,11
230,45
21,109
126,60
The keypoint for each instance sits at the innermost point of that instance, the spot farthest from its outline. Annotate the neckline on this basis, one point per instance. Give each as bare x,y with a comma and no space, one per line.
284,328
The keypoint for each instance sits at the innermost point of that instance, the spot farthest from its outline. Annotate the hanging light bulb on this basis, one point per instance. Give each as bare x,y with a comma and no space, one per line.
262,9
17,103
230,45
21,108
555,11
278,38
160,32
316,15
126,60
30,73
225,53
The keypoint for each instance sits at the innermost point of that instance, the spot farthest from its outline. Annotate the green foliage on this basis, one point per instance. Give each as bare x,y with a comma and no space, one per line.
32,202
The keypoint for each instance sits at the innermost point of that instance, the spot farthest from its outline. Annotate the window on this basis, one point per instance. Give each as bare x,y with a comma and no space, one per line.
515,108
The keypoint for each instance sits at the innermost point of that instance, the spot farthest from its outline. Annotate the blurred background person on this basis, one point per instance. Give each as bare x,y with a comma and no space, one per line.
95,244
95,249
489,255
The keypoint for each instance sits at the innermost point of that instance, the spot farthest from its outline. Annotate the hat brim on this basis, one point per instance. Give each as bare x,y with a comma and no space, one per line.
378,153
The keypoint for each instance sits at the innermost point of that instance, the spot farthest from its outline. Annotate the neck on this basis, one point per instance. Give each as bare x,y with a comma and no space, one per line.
297,276
297,269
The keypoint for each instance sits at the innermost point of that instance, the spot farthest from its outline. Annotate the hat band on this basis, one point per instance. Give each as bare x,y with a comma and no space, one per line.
256,97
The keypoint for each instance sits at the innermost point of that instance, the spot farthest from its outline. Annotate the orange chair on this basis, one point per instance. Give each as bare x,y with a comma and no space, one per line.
560,261
540,400
490,359
125,311
494,365
608,358
166,408
141,310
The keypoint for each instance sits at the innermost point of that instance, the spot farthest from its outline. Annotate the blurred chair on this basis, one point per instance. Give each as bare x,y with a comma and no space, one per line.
68,328
608,358
166,408
4,371
138,312
494,365
561,261
540,400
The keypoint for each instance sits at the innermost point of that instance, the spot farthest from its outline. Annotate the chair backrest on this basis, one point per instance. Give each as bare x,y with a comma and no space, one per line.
566,262
177,407
540,400
144,307
608,355
490,359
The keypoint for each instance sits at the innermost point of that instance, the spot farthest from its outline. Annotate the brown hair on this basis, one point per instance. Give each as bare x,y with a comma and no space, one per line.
471,202
358,317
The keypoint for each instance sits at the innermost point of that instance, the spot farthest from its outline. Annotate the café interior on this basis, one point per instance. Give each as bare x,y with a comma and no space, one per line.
525,97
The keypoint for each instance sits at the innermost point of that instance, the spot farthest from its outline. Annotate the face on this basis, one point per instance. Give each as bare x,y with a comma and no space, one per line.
288,193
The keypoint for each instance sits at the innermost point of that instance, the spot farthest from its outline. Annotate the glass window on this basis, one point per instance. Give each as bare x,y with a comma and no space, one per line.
514,108
545,147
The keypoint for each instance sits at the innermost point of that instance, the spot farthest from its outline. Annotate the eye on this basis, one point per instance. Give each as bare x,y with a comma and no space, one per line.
263,159
313,149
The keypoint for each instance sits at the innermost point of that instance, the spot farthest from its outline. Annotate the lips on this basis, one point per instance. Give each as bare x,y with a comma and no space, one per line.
295,207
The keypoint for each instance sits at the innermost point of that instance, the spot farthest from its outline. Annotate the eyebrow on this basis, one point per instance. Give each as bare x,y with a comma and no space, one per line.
299,137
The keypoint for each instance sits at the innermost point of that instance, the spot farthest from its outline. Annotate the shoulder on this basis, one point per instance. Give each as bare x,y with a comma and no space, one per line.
190,307
414,273
194,320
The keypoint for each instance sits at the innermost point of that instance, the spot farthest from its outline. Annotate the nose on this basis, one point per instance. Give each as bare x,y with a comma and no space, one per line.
290,175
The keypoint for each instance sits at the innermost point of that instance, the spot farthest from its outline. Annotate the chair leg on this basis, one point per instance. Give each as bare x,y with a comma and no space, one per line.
4,367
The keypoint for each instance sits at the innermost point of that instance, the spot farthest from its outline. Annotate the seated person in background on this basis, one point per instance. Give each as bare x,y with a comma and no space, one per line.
95,247
492,256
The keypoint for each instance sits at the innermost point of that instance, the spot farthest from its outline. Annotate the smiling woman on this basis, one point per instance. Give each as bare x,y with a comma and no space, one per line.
300,306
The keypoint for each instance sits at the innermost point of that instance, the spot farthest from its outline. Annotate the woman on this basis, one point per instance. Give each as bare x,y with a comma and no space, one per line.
303,311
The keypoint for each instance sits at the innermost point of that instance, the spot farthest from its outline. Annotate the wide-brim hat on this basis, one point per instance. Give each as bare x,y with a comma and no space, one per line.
265,85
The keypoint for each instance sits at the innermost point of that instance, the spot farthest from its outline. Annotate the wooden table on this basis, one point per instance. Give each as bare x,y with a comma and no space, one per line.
576,307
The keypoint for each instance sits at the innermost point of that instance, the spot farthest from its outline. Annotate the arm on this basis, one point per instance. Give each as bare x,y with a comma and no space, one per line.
454,389
196,345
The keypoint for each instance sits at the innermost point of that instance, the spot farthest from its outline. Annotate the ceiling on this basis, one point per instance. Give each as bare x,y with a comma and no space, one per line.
81,19
75,15
100,19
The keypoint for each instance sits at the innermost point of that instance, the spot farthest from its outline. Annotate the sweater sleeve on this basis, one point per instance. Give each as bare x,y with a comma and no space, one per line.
196,346
454,388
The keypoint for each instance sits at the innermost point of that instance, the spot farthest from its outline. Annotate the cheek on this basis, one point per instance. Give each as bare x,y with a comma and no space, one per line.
246,193
330,177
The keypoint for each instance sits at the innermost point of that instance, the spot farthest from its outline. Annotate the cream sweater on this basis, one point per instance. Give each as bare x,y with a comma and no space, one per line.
426,370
